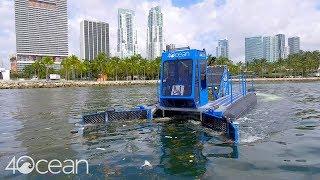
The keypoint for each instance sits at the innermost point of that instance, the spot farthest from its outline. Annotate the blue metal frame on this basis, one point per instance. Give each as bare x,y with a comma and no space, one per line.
226,95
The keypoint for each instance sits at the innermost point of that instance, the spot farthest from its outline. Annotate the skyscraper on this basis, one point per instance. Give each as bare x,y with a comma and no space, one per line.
155,39
94,39
253,48
269,48
127,33
222,49
294,45
280,43
41,29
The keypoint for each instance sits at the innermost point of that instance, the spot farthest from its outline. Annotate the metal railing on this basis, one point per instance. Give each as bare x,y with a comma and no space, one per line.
243,85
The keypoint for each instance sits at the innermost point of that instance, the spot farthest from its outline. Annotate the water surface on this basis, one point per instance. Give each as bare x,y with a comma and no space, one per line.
279,138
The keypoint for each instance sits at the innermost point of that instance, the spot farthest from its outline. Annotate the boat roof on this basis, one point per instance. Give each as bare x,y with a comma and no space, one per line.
180,54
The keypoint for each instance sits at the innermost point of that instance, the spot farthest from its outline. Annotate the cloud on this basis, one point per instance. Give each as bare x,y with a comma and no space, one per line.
241,18
7,31
199,25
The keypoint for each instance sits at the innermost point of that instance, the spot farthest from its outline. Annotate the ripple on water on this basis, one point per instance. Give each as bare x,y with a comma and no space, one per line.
272,143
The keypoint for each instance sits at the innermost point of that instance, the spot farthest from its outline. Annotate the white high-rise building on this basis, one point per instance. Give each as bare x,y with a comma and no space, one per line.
94,39
222,49
269,47
253,48
127,33
294,45
41,29
280,43
155,39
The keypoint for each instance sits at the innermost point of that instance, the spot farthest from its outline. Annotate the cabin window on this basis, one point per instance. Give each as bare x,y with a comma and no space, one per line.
177,78
203,75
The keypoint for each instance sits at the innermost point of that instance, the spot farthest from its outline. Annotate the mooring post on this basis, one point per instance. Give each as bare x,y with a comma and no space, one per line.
240,88
252,86
243,86
149,114
236,132
231,94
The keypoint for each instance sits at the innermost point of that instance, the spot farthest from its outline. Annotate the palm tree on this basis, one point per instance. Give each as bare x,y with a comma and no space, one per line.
66,65
37,65
113,66
85,67
47,62
28,71
74,63
81,68
211,60
99,65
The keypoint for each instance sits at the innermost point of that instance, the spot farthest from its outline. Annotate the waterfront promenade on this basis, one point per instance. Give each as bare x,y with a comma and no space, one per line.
18,84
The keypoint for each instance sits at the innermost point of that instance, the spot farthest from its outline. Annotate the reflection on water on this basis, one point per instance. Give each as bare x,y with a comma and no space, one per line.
183,146
182,150
279,138
173,148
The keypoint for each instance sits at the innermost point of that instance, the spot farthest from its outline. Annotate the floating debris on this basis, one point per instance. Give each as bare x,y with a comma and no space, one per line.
195,122
74,132
146,164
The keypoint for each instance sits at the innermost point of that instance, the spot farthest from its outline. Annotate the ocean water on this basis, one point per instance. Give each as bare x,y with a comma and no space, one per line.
280,137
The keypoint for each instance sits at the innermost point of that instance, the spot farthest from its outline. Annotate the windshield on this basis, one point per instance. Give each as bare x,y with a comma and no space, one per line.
177,78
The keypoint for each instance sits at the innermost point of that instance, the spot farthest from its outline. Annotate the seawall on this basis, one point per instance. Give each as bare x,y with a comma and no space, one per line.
60,84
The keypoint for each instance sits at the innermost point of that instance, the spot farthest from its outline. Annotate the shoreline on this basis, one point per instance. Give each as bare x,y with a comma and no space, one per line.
67,84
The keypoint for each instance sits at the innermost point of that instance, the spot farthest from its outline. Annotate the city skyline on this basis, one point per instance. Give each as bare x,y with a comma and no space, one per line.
271,48
200,24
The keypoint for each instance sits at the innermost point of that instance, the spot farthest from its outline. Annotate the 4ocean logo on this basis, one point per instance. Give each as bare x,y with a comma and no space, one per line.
26,165
179,54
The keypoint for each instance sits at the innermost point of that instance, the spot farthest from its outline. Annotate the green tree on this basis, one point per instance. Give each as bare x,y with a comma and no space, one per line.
47,62
38,67
99,65
28,71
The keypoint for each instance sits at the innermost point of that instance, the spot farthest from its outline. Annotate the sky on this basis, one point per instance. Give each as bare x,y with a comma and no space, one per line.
197,23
